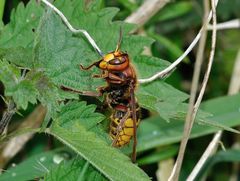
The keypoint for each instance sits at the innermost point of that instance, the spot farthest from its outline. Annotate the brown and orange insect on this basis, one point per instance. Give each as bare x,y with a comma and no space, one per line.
121,84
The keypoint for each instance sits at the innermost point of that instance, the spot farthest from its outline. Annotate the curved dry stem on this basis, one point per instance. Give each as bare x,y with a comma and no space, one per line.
234,88
171,67
190,117
232,24
7,115
14,145
209,151
146,11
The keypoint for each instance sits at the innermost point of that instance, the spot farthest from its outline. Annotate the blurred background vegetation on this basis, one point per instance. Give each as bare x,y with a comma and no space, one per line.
173,27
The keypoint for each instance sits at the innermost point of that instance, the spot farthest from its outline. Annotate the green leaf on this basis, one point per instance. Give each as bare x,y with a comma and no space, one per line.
146,66
173,10
33,167
1,26
79,112
23,91
34,86
2,3
60,57
173,49
161,97
50,96
19,56
202,117
93,149
75,170
222,156
162,133
20,31
97,152
161,154
130,5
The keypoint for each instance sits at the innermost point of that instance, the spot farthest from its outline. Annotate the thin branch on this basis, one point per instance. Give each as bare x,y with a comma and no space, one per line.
199,60
232,24
13,146
234,88
208,152
7,115
72,29
198,64
146,11
190,119
235,81
171,67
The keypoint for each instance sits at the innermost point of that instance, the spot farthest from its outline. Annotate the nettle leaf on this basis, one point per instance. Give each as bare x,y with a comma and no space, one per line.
1,26
161,97
79,137
59,54
162,133
23,91
79,112
17,55
34,86
77,169
49,97
107,160
16,40
34,167
146,66
23,22
61,57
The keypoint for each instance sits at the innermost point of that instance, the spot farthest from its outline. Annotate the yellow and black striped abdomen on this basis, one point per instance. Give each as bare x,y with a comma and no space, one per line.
124,135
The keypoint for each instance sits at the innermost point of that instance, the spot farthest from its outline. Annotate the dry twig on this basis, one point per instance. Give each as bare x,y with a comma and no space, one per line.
234,88
146,11
232,24
190,117
171,67
13,146
235,81
7,116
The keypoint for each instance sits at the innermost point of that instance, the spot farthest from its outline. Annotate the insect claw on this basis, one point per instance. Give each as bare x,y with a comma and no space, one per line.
90,66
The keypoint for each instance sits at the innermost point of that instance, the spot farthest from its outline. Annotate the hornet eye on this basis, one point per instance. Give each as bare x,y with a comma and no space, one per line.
117,61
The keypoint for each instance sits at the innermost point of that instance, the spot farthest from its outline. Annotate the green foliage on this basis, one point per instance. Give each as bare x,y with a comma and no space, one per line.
162,133
158,155
20,31
173,11
79,137
2,3
21,90
172,48
231,155
162,99
38,54
33,167
75,170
